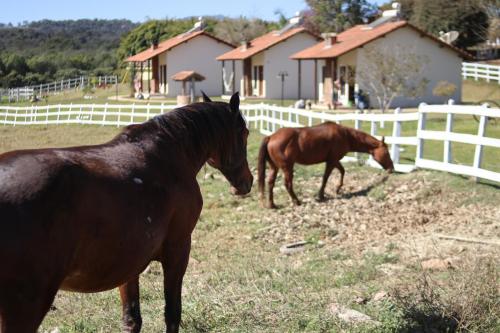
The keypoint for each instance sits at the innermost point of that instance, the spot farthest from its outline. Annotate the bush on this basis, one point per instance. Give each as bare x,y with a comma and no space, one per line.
468,301
444,89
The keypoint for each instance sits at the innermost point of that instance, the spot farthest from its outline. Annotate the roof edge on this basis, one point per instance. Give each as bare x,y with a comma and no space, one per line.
464,54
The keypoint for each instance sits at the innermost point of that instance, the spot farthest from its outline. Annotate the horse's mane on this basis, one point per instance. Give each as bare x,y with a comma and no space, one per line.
195,127
361,137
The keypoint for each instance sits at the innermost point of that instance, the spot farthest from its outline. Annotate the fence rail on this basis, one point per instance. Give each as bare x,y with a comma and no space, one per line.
267,119
28,92
478,71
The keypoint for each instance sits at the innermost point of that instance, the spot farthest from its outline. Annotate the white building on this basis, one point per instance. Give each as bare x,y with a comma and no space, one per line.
194,50
255,67
338,58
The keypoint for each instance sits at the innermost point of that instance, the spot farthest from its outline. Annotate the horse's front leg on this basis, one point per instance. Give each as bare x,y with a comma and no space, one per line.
326,175
129,294
342,172
174,266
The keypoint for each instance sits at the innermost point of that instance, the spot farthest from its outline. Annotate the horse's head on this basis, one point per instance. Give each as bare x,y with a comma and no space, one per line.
231,157
382,156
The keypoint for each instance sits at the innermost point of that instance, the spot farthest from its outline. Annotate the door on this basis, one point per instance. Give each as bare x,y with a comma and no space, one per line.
258,81
261,80
321,85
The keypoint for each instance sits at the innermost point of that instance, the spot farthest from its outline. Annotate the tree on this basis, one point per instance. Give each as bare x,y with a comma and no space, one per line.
16,63
393,72
241,29
444,89
468,17
337,15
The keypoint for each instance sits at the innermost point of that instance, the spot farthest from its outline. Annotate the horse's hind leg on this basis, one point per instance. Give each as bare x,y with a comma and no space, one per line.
342,172
271,180
326,175
288,175
129,294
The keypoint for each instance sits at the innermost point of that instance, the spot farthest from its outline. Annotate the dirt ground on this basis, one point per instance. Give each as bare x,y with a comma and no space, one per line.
408,211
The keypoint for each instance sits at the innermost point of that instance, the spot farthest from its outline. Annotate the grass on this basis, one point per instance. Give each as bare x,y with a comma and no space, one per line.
474,92
237,281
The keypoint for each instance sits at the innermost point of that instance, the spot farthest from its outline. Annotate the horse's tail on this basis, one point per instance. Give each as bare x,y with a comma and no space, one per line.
261,166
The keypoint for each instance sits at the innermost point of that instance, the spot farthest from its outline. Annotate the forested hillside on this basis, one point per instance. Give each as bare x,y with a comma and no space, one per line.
46,50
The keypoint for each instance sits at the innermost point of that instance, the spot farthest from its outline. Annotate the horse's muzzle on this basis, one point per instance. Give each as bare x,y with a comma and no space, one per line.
242,188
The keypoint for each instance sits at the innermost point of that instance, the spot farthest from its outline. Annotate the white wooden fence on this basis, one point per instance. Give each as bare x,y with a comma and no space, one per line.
26,93
448,137
267,119
481,71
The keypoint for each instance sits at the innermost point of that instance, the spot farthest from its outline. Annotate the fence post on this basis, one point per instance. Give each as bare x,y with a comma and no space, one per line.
396,133
104,116
119,116
261,118
281,119
373,132
69,112
15,117
274,120
420,127
31,114
478,153
132,117
47,115
357,126
147,112
447,156
58,113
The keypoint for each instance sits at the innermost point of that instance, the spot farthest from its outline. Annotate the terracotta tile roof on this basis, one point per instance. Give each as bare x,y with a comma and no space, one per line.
261,43
359,36
187,75
170,44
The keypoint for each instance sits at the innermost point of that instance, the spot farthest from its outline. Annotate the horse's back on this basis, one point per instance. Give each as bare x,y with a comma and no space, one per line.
307,145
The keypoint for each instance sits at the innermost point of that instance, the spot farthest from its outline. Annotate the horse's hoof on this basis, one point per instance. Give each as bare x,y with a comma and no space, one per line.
320,199
297,203
271,206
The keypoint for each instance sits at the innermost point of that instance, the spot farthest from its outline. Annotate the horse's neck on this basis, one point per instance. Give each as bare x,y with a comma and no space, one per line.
361,142
191,149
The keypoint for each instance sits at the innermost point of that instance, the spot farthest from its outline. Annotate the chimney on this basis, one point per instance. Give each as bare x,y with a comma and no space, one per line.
154,45
245,45
330,39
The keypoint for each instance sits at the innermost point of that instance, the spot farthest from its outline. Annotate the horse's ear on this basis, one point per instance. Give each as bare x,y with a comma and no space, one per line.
205,97
383,140
234,103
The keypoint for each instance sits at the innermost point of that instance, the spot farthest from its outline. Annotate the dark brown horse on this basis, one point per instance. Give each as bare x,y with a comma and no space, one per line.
92,218
327,142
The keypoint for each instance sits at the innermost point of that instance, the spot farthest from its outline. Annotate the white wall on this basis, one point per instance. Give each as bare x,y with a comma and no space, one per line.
197,54
443,64
277,58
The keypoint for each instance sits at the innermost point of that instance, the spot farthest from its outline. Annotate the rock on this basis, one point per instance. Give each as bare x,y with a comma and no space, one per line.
350,316
360,300
436,264
293,247
381,295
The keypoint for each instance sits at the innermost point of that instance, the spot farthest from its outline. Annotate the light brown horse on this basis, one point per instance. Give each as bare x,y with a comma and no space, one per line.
92,218
328,142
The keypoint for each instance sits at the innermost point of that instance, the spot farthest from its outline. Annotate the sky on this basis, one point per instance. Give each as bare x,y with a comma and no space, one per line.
141,10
